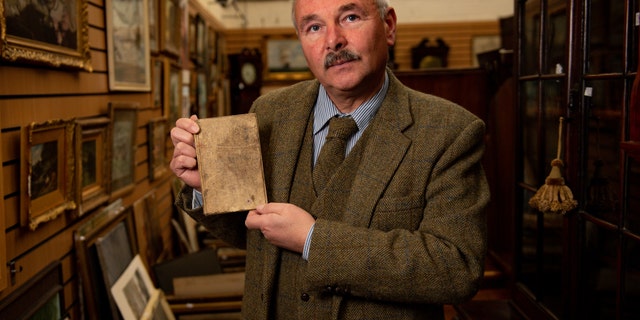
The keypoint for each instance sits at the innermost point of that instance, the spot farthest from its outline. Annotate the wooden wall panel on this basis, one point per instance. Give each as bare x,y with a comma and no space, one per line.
458,35
30,93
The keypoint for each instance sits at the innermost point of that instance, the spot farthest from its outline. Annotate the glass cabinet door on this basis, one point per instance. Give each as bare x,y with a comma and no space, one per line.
578,60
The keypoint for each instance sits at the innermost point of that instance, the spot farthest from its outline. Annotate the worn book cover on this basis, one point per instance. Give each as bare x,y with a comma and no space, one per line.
230,164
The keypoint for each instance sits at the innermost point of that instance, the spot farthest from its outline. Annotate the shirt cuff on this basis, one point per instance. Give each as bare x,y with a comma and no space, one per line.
197,199
307,244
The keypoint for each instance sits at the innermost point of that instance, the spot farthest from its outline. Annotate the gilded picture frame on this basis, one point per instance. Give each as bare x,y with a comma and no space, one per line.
284,59
34,33
124,123
47,177
128,45
93,168
157,129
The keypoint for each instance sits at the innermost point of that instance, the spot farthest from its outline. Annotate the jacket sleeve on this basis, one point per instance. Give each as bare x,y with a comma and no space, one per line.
442,261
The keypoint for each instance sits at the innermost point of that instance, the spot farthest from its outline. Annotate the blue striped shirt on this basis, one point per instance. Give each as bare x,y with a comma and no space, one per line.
324,110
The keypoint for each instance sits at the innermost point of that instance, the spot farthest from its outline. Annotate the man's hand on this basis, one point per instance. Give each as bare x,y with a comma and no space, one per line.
184,163
282,224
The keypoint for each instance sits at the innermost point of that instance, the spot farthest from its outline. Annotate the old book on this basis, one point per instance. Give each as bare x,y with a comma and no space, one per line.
230,164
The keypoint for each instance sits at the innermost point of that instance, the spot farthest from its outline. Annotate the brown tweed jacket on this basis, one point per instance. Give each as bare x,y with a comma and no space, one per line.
413,236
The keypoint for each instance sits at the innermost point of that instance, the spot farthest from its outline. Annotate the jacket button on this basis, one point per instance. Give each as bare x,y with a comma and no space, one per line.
326,291
304,297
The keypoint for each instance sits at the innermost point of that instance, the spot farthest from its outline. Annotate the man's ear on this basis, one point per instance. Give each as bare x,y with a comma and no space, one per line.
390,20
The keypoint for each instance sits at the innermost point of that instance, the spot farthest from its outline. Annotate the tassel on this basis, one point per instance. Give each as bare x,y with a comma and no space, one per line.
554,195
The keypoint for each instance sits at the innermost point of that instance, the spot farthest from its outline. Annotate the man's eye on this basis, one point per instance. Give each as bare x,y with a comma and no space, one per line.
351,18
314,28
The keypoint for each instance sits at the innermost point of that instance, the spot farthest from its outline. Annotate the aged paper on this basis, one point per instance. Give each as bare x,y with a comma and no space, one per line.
230,164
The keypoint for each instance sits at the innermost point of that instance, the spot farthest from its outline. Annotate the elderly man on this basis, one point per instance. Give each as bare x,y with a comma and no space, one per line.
393,231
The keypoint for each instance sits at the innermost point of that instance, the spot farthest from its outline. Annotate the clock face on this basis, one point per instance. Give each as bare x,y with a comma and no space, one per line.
248,73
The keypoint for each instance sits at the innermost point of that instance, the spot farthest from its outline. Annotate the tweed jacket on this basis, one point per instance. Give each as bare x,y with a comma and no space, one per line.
413,232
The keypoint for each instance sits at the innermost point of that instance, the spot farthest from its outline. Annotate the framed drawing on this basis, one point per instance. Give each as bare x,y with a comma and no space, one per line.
133,290
170,24
148,229
52,33
96,296
157,148
47,177
128,45
285,59
157,308
42,297
124,123
92,163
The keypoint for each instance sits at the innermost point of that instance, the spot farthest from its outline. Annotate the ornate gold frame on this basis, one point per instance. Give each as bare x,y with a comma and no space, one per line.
19,49
46,195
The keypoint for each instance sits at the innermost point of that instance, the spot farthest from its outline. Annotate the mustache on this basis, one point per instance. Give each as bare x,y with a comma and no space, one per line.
340,56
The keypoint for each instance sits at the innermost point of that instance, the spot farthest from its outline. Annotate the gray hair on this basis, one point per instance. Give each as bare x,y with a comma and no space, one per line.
381,4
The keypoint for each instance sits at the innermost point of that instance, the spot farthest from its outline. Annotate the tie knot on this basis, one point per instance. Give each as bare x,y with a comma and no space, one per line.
342,127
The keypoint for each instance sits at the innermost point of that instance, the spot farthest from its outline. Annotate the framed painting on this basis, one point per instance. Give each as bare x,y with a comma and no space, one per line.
42,297
170,27
285,59
128,45
53,33
133,290
96,296
47,177
92,163
158,82
157,148
124,123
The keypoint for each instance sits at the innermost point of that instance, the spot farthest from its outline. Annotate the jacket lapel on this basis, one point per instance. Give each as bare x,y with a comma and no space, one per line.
385,150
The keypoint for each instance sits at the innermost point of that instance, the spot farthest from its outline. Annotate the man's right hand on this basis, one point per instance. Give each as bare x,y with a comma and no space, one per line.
184,163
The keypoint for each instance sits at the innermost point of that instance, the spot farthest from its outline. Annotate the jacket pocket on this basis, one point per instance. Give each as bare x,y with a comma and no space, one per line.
398,213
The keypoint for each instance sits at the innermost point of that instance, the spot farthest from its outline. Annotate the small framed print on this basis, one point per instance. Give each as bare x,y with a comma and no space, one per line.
157,148
92,163
124,123
47,177
133,290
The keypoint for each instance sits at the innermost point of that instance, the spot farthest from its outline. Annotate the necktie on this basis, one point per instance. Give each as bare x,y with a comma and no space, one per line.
333,150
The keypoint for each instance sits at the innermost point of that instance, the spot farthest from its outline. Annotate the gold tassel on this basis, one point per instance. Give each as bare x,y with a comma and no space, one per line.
554,195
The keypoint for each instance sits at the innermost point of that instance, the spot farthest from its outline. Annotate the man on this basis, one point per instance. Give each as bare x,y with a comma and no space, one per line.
398,230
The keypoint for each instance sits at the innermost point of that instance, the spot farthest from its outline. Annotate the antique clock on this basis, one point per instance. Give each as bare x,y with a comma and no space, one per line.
245,77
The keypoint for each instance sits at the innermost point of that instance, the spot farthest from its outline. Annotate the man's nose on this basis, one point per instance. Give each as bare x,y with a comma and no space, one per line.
336,39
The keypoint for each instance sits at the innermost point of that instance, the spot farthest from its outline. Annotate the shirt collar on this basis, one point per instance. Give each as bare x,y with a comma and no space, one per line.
325,109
